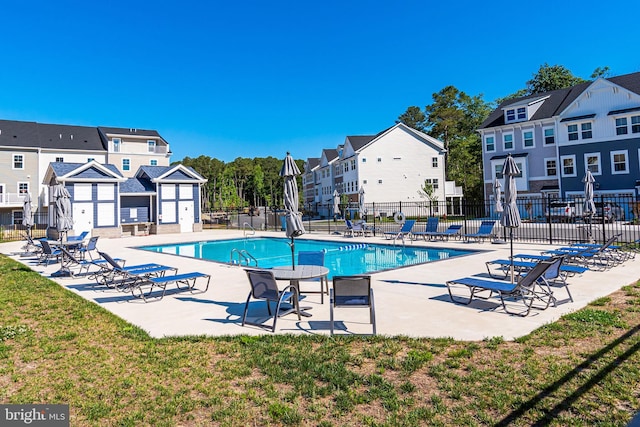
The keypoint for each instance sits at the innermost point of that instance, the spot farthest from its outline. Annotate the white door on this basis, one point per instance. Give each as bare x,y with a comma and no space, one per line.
82,218
185,216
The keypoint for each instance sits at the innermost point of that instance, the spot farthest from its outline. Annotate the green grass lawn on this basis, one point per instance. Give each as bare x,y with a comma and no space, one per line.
56,347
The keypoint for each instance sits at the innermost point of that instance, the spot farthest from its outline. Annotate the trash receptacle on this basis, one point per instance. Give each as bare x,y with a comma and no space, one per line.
283,223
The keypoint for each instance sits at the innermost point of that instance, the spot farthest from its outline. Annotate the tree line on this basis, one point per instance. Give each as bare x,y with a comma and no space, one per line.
452,117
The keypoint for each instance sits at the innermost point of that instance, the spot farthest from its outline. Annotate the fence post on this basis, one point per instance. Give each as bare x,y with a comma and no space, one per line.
603,220
373,206
549,219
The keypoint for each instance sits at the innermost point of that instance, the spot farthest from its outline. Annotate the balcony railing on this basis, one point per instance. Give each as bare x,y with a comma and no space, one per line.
11,199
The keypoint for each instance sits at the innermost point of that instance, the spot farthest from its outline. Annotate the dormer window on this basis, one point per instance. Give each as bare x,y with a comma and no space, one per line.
522,113
511,115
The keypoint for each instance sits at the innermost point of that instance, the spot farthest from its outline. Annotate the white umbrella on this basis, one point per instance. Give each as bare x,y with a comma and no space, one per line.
510,215
27,216
497,194
363,211
294,226
336,203
589,205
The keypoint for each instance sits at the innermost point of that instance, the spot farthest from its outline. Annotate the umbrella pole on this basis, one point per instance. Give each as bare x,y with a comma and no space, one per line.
293,263
511,257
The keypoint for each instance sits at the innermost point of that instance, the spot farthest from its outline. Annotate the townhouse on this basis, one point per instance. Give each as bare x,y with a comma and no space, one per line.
390,166
556,136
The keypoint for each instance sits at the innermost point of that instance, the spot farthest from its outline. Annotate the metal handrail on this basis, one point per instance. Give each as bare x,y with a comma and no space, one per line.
244,229
244,257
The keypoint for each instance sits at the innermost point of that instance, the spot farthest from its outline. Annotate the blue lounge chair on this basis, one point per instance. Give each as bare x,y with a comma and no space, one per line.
556,274
405,231
452,231
485,231
431,227
528,288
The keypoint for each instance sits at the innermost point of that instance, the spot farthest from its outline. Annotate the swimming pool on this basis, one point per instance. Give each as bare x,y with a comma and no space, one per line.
340,258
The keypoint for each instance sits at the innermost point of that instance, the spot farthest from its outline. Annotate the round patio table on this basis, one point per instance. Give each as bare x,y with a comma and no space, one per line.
300,272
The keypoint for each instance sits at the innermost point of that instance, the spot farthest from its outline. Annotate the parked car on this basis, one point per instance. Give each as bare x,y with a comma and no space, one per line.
611,212
564,211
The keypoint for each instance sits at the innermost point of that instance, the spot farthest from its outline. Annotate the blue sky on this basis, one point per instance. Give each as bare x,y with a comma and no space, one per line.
259,78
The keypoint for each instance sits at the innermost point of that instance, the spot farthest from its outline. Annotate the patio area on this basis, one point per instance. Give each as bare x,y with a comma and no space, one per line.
411,301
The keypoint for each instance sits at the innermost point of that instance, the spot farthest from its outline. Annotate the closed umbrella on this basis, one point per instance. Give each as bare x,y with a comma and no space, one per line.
510,215
294,226
589,206
64,220
27,216
336,204
363,211
497,194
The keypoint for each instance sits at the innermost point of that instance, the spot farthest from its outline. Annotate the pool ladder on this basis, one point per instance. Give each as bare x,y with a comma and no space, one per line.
250,232
244,258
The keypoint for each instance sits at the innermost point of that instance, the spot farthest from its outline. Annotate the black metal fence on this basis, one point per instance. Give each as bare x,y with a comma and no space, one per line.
544,220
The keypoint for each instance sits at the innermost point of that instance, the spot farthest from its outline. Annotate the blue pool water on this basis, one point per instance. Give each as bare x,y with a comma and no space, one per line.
341,258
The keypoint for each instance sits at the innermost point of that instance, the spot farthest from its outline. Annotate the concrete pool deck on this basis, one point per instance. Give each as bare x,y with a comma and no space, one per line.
411,301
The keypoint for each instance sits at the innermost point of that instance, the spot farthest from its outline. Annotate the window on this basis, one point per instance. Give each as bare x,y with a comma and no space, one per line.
433,182
353,164
434,162
18,161
568,165
116,145
621,126
586,130
619,162
153,162
126,164
522,113
498,171
592,163
511,115
379,181
551,167
379,159
364,160
364,181
151,146
60,159
490,144
508,141
16,217
90,159
527,138
635,124
549,137
572,131
23,187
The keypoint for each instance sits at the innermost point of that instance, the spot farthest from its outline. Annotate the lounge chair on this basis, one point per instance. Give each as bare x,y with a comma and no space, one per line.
556,274
314,258
187,279
431,227
484,232
89,248
352,292
112,274
49,252
264,287
31,247
452,231
527,289
600,257
405,231
355,229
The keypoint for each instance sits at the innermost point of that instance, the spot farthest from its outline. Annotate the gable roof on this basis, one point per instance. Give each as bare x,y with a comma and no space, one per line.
175,173
558,100
82,172
106,130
